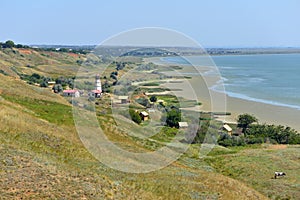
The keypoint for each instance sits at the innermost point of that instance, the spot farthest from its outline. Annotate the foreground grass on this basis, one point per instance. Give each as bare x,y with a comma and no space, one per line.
256,165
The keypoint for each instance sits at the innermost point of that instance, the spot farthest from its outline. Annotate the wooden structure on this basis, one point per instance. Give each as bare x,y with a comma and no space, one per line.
144,115
183,124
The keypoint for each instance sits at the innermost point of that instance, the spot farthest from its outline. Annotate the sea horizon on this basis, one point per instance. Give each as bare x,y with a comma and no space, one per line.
264,78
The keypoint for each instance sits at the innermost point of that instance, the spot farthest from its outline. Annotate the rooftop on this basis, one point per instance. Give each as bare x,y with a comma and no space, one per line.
182,124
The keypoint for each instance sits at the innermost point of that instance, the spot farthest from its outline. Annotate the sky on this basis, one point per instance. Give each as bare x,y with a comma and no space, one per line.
212,23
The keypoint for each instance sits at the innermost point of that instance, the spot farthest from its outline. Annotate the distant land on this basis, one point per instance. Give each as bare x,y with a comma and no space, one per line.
188,50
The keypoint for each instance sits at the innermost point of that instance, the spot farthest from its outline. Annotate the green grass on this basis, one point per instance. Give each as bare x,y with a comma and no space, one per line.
153,90
166,134
177,101
51,111
152,84
255,165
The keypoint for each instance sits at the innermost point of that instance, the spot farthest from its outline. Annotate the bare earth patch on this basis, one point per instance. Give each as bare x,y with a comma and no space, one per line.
278,146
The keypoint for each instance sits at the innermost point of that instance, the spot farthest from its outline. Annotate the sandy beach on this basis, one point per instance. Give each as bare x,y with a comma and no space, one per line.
219,102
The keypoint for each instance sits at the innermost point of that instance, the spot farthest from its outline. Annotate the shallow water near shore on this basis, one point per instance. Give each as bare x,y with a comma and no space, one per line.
267,78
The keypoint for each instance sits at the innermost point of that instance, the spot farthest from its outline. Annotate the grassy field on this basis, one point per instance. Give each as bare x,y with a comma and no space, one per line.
256,165
42,157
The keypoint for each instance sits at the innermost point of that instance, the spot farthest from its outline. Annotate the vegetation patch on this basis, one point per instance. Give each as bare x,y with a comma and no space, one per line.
51,111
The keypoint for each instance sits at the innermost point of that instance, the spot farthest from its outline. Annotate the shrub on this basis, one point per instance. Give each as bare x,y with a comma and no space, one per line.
245,120
153,98
143,101
173,117
135,116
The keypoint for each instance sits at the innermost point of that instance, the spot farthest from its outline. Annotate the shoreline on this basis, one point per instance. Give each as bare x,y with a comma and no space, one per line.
265,112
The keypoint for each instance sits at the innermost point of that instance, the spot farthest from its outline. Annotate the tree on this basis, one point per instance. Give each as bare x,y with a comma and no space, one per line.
9,44
143,101
153,98
135,116
173,117
36,76
244,120
57,88
44,84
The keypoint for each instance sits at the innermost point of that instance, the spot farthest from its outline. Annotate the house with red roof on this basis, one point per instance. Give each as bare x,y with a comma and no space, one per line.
95,93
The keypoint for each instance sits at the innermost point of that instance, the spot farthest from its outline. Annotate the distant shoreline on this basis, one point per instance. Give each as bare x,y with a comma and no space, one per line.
265,112
187,51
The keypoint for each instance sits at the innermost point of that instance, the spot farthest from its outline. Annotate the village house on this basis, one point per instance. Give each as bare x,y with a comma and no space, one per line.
123,99
227,128
144,115
183,124
51,83
95,93
71,93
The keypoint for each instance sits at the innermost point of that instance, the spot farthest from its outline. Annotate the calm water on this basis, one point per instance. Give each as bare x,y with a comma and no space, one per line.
273,79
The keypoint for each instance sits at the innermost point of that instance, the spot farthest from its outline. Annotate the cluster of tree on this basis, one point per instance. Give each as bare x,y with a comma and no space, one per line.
143,101
11,44
150,52
209,131
259,133
106,87
244,120
153,99
63,82
43,81
146,66
120,65
172,116
78,50
36,79
114,75
275,134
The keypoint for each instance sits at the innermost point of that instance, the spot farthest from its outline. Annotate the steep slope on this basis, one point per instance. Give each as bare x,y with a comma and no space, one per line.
42,157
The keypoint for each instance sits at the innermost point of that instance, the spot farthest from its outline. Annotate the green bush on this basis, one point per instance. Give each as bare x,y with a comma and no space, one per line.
173,117
153,98
135,116
143,102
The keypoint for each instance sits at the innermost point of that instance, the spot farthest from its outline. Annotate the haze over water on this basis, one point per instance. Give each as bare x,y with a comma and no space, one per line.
266,78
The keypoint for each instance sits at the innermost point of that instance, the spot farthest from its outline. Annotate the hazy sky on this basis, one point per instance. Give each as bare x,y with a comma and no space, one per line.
221,23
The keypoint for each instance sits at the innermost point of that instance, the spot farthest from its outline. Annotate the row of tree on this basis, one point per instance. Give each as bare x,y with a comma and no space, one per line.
11,44
43,81
259,133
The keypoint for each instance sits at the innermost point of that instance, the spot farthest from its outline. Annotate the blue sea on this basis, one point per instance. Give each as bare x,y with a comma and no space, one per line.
266,78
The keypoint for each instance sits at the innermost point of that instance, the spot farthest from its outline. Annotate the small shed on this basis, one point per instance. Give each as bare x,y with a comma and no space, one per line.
144,115
183,124
71,93
51,83
227,128
123,99
116,101
95,93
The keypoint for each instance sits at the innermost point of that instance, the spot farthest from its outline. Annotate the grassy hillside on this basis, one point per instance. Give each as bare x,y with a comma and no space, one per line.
42,157
255,166
47,63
